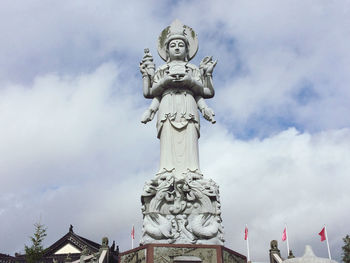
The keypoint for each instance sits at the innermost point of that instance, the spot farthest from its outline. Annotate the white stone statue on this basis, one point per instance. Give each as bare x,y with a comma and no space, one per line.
177,89
179,206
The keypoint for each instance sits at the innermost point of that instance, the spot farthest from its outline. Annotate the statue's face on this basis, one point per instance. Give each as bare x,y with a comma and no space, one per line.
177,49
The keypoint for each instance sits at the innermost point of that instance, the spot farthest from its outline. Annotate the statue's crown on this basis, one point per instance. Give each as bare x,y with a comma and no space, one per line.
177,30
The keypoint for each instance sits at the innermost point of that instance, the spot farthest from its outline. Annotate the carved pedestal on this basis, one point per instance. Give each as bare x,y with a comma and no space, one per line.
176,253
181,210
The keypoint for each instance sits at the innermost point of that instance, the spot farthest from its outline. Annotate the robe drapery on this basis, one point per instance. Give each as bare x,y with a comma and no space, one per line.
178,125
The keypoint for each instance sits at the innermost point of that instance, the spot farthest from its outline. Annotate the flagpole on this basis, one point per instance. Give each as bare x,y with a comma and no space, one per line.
248,255
132,237
287,241
329,251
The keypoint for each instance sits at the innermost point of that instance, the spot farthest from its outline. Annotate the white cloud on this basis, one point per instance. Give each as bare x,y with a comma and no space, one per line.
65,141
291,177
267,52
41,37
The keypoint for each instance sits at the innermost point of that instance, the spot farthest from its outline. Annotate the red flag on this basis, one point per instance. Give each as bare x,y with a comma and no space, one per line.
133,232
245,233
284,235
322,234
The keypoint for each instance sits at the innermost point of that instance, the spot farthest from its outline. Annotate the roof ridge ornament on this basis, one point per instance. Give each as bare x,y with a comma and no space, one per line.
177,30
309,256
308,252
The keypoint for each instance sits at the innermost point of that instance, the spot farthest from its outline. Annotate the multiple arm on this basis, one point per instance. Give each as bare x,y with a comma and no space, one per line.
153,89
157,88
206,68
205,89
147,70
148,115
207,112
146,86
208,89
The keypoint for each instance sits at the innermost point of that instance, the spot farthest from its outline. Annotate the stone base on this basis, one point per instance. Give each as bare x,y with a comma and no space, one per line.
181,210
181,253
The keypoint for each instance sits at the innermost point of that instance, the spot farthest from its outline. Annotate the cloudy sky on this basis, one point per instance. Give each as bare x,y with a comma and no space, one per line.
73,150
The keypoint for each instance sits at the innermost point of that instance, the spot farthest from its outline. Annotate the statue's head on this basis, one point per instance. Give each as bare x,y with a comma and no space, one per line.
105,241
174,39
274,244
177,49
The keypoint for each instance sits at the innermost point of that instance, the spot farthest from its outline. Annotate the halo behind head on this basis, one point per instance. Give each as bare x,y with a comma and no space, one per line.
178,31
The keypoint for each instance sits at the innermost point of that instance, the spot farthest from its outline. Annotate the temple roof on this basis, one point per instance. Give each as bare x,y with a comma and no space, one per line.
4,258
71,243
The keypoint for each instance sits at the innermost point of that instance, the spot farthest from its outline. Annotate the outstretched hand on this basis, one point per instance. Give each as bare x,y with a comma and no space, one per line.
208,114
143,68
147,116
207,65
146,65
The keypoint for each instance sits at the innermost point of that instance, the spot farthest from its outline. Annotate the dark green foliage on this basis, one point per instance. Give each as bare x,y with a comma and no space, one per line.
346,249
35,252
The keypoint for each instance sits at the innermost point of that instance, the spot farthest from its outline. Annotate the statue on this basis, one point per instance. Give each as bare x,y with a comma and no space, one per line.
104,242
177,89
275,254
179,205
